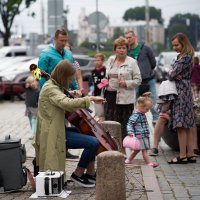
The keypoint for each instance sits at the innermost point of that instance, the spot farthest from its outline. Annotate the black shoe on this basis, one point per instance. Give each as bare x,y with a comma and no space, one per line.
82,181
154,152
71,156
91,178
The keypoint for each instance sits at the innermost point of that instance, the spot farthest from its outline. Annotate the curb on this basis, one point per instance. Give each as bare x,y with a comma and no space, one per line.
151,183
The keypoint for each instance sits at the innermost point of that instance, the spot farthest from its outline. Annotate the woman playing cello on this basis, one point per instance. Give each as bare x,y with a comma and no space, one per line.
52,136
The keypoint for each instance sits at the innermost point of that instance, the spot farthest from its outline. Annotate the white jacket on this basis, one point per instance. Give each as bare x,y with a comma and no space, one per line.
130,72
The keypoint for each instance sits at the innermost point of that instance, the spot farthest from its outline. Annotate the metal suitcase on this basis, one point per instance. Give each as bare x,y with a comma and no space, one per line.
13,175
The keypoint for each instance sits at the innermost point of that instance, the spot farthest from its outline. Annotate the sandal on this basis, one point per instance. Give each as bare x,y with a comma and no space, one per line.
191,159
178,160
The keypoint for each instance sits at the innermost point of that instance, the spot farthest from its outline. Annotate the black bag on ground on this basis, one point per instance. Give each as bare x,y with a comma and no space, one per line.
13,175
144,87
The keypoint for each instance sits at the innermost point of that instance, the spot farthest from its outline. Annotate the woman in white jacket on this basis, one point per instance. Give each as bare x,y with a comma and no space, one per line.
123,75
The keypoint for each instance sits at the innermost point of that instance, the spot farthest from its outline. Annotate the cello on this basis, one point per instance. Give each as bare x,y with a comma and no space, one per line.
82,119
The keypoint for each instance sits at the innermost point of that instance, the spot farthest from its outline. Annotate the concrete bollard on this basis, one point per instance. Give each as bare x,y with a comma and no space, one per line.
110,184
114,129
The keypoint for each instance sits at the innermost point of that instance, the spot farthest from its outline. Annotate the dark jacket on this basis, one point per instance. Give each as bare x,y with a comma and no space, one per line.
32,96
97,75
146,62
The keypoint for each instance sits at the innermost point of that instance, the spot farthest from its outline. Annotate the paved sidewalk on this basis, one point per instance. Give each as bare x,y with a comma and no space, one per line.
176,182
179,182
14,123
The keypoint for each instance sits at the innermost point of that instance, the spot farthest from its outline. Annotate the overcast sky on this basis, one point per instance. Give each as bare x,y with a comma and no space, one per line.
114,9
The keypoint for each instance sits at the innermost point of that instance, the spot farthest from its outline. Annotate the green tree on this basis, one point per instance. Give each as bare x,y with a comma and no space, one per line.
188,24
8,10
138,13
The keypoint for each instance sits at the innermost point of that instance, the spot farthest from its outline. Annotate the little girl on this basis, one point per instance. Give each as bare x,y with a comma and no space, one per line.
137,126
31,101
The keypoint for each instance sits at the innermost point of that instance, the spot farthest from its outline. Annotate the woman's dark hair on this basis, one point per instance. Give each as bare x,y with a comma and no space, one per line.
62,72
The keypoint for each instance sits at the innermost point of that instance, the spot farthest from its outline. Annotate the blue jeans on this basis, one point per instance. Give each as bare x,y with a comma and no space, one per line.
152,85
77,140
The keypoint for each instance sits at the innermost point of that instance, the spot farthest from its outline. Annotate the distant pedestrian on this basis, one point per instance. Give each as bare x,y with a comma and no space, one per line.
138,127
182,114
97,75
31,102
195,78
123,76
146,62
195,81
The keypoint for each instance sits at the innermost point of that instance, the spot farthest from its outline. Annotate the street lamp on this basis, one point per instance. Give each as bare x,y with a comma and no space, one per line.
147,21
97,27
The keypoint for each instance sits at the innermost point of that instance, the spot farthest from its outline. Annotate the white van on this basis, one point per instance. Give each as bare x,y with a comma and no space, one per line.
12,51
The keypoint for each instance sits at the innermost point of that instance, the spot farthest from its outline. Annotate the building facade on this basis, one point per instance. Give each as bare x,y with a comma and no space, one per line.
156,30
55,15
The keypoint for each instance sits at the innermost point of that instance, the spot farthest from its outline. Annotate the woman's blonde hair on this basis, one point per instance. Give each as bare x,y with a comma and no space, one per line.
142,100
62,72
120,42
184,41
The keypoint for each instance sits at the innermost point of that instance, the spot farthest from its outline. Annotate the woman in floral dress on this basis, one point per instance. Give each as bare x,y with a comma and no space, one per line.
182,107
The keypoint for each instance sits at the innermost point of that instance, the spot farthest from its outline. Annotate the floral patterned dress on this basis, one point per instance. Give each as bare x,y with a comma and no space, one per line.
182,107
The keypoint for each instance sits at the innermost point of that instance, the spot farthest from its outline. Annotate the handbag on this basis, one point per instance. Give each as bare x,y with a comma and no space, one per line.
131,142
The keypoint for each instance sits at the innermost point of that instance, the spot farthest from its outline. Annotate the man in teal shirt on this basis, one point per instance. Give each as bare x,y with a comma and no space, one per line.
146,62
53,54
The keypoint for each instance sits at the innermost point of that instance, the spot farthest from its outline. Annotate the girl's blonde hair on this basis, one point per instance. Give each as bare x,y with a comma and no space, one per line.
185,42
142,100
29,79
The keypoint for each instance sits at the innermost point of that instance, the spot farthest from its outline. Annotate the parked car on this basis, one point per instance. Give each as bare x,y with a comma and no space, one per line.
12,78
12,51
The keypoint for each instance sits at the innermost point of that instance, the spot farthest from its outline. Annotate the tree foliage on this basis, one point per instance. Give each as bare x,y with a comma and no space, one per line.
138,13
188,24
8,10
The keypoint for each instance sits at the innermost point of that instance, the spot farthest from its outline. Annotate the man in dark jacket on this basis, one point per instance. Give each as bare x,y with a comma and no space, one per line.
146,62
